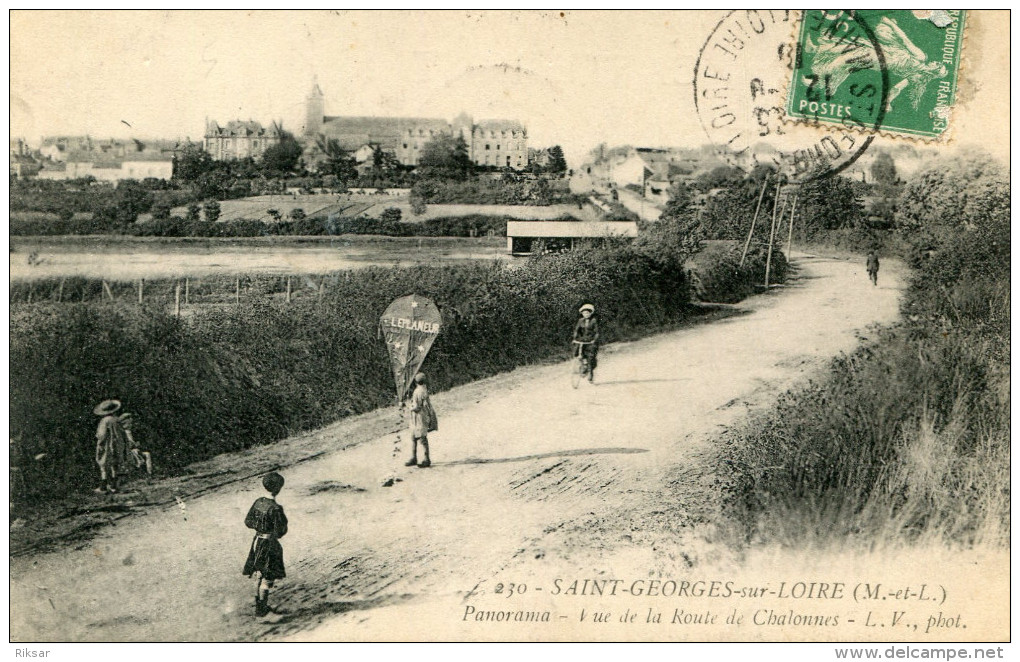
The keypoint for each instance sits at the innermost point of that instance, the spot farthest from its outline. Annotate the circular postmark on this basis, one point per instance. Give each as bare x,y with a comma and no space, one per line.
750,63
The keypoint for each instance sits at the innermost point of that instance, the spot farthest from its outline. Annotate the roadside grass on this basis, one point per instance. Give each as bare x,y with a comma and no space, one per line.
904,441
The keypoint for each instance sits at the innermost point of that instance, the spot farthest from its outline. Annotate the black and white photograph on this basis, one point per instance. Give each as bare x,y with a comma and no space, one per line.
510,326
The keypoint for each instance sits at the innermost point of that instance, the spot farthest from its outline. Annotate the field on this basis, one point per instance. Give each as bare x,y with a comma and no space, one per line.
371,206
130,258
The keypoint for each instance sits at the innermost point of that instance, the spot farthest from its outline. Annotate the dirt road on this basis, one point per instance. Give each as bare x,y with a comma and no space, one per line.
531,479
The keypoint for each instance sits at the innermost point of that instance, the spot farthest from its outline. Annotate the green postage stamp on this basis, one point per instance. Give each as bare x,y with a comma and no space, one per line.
881,70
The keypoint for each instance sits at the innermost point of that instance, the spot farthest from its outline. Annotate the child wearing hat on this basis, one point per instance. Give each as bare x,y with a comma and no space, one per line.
587,331
111,445
423,421
265,557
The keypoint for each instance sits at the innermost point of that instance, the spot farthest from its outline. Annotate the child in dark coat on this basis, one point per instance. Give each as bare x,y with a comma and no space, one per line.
266,554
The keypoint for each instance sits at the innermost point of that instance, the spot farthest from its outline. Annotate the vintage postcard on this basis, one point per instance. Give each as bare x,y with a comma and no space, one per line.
504,326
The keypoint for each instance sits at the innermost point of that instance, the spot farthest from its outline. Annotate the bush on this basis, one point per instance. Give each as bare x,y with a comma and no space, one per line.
391,215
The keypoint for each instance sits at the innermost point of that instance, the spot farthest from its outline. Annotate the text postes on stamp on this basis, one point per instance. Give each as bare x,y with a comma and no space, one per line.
740,89
918,53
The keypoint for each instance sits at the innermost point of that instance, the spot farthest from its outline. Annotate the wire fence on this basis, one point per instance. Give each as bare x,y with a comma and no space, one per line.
181,293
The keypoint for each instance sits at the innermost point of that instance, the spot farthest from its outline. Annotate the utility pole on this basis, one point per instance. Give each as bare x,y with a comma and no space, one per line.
772,234
747,244
789,238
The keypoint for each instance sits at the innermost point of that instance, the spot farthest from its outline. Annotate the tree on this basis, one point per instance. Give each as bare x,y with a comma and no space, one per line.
338,162
418,205
445,157
677,234
129,200
954,192
191,163
557,163
298,214
391,215
283,157
383,161
212,210
274,214
829,203
883,170
719,177
193,211
161,210
728,213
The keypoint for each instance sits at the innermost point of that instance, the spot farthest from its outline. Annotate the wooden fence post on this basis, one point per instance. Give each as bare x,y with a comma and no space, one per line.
187,291
288,289
60,291
109,292
177,299
237,291
141,290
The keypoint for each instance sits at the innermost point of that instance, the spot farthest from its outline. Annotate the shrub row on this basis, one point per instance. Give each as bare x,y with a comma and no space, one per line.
453,226
231,377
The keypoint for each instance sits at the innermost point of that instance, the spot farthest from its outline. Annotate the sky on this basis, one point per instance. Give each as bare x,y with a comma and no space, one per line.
575,78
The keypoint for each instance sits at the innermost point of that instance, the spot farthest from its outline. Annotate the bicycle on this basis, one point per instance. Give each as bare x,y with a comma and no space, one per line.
583,367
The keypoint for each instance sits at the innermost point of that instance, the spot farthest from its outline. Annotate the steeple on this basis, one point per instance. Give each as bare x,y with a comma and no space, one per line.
314,109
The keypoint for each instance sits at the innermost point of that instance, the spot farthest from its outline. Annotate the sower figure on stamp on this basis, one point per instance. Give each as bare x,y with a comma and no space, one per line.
111,445
266,554
873,266
423,421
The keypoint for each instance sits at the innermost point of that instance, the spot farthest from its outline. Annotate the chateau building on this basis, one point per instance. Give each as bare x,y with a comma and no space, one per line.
239,139
500,143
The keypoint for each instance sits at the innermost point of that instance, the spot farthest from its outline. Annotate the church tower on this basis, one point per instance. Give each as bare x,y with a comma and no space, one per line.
314,110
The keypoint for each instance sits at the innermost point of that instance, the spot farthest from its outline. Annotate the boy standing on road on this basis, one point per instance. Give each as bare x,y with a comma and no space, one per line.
265,557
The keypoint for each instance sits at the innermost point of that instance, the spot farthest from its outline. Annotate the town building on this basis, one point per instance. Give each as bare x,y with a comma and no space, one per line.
113,159
499,143
527,237
110,168
240,139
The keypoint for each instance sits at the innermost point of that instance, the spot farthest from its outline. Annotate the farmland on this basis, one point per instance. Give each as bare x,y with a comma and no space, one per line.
370,206
129,258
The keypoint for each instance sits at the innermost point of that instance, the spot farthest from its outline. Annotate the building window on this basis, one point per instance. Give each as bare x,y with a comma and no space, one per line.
508,162
497,146
405,145
486,145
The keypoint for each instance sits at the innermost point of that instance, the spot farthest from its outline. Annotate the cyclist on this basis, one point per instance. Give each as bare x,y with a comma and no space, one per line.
586,331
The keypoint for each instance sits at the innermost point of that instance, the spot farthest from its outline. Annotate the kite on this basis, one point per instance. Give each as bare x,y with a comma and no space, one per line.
410,326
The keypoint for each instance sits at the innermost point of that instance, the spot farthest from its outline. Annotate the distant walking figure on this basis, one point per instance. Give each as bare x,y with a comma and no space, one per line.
111,445
423,421
873,267
266,554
